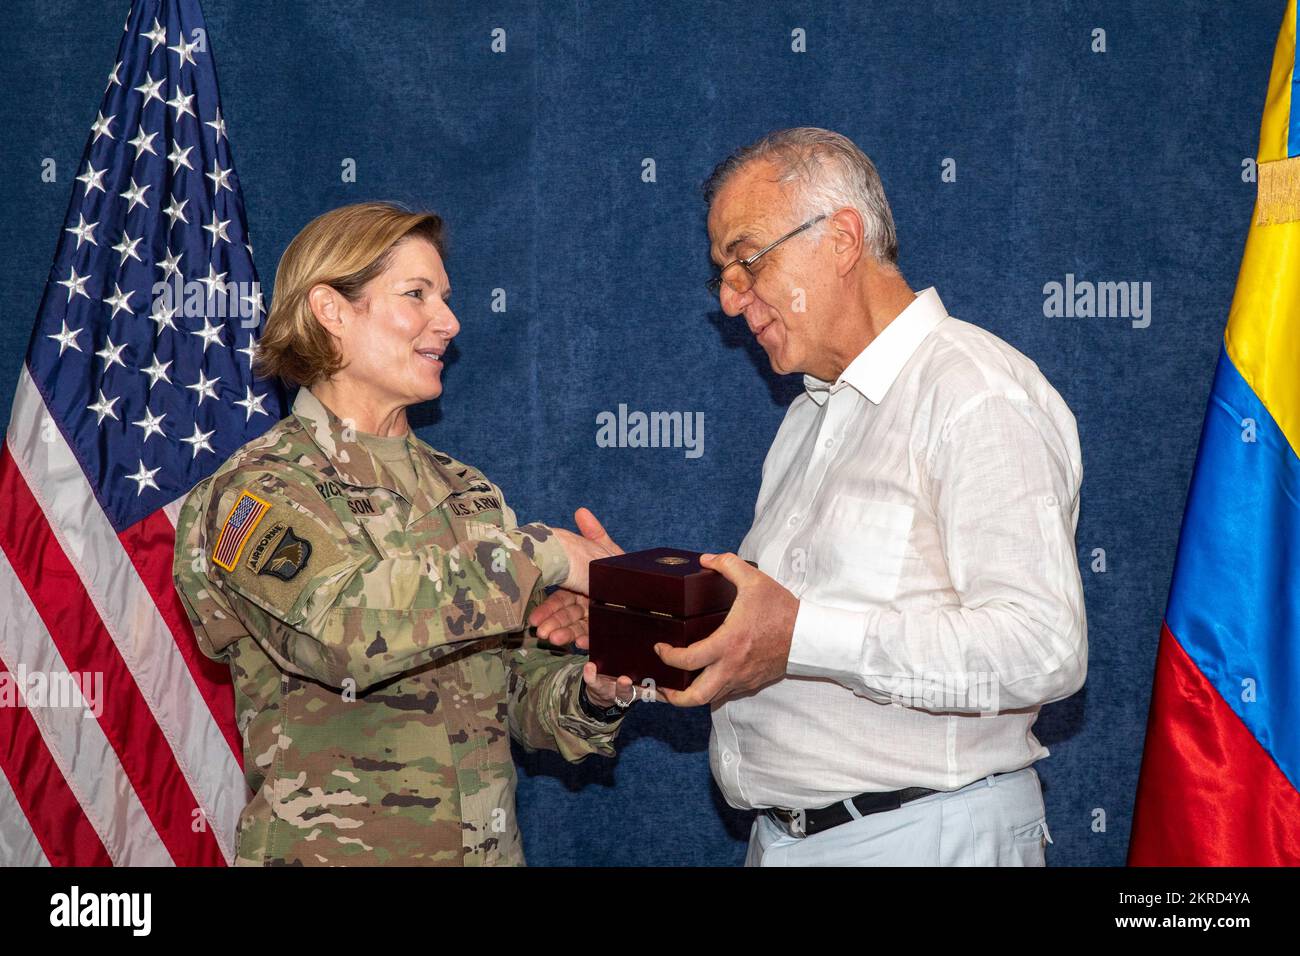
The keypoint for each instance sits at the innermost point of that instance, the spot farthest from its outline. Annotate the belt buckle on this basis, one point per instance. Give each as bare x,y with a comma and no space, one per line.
798,823
795,822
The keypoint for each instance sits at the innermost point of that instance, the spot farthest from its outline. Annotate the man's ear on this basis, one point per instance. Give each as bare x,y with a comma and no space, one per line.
846,234
327,306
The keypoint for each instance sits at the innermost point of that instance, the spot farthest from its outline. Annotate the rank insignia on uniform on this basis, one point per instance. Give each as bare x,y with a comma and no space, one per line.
289,557
243,518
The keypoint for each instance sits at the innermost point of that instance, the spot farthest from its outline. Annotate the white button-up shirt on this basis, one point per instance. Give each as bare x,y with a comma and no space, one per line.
923,509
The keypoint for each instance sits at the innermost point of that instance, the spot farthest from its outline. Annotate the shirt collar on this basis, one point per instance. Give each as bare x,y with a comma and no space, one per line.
876,366
355,464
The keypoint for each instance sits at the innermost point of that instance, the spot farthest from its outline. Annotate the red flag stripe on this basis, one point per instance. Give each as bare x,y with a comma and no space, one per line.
54,814
128,607
76,746
1209,794
86,645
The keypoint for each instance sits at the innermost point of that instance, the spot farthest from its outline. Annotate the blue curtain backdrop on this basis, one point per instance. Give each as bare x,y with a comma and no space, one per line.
1124,165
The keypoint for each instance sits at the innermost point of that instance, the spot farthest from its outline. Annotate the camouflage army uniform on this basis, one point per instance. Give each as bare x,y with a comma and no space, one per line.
378,648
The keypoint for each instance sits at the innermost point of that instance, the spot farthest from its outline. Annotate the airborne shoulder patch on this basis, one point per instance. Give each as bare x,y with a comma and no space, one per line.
239,525
286,559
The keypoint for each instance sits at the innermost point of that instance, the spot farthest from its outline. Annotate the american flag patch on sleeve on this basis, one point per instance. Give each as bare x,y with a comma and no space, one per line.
241,521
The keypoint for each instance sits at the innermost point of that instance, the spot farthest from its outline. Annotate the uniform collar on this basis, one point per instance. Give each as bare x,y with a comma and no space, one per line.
875,367
354,464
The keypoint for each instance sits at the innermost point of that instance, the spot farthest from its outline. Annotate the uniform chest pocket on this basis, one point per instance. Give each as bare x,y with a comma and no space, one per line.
470,513
375,514
860,550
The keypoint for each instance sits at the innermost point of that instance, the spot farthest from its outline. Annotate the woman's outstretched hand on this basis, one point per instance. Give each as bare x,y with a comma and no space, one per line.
562,618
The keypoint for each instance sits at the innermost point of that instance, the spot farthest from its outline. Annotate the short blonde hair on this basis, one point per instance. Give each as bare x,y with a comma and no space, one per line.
344,248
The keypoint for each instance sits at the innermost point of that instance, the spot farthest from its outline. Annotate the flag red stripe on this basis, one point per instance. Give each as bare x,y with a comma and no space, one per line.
150,544
1209,794
85,645
53,812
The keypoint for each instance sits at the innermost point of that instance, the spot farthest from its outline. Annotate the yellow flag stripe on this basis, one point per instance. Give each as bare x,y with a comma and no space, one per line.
1263,334
1262,337
1275,127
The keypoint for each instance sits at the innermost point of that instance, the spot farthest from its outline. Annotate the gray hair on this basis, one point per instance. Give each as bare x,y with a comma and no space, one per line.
832,173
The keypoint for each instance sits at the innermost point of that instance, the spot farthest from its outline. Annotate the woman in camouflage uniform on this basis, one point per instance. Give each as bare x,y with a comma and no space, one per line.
370,593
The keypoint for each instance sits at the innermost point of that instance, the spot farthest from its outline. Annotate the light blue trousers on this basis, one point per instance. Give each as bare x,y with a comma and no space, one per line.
996,821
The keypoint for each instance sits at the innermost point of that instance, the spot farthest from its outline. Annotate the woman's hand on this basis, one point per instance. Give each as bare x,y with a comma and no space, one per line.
593,544
562,619
606,691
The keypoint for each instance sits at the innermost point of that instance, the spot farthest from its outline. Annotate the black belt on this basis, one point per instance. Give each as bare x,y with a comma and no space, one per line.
808,822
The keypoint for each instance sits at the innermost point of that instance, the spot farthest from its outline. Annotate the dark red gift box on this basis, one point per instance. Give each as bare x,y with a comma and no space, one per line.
659,596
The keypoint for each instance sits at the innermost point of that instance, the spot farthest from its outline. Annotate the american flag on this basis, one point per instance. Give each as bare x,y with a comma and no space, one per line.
117,737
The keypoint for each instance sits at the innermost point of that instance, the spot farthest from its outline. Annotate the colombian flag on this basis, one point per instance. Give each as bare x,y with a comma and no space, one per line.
1222,763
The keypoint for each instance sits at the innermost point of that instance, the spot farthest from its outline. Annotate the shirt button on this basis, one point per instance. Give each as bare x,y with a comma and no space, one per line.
794,520
830,443
726,756
1050,501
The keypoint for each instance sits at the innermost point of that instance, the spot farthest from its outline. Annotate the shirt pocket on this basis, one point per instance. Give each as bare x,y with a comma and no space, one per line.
379,516
476,517
860,547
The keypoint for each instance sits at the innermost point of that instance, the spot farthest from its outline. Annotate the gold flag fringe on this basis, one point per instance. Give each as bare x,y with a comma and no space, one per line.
1279,192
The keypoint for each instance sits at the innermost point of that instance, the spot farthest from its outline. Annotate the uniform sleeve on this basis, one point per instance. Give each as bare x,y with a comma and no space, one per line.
547,552
543,705
215,627
327,605
1005,487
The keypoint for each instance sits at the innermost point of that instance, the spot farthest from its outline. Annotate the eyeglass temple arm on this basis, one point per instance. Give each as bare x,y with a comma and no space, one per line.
746,262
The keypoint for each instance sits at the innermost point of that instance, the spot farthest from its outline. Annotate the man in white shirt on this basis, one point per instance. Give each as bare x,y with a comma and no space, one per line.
917,596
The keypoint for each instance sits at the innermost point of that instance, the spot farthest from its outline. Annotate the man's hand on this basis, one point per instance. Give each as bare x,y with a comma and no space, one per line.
562,618
750,648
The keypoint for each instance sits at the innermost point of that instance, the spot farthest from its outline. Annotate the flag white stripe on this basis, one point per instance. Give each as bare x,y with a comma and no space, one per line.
18,844
173,511
129,614
77,742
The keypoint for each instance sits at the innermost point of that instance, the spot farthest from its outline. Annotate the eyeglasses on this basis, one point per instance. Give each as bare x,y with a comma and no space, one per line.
737,273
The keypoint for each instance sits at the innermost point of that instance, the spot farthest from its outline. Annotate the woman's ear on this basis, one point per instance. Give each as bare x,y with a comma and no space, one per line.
326,305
